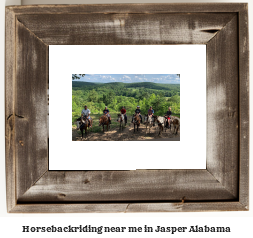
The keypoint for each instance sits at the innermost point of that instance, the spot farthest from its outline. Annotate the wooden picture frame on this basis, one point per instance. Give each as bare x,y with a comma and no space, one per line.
222,186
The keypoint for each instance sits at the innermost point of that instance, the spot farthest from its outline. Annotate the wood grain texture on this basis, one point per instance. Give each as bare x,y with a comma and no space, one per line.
9,109
122,29
129,207
30,108
155,8
139,185
222,107
244,106
186,207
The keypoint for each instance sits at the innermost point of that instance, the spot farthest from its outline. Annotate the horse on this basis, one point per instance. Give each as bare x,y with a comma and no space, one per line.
176,123
149,121
104,120
161,121
78,122
136,121
83,124
121,120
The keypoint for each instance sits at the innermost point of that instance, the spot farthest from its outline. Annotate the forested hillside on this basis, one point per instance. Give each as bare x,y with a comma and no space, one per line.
115,95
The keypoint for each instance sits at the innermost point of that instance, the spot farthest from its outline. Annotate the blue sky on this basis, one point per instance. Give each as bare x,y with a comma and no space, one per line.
132,78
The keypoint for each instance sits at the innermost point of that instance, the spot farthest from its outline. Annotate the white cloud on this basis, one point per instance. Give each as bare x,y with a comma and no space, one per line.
130,78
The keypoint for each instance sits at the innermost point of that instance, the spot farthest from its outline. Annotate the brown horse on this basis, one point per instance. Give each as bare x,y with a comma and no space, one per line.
84,124
176,123
136,121
104,120
121,120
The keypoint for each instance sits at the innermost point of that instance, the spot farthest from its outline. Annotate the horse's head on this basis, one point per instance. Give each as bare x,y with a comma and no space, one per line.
120,117
103,120
100,121
78,121
150,119
137,119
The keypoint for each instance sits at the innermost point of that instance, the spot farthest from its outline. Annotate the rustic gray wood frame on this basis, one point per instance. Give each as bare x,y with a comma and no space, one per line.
222,186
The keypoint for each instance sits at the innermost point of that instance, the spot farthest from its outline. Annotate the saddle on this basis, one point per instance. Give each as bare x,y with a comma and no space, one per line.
85,118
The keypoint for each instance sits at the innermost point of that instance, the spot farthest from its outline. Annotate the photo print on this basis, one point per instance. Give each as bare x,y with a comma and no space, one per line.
126,107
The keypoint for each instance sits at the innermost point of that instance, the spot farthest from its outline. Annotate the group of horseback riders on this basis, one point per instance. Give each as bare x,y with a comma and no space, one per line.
86,113
151,114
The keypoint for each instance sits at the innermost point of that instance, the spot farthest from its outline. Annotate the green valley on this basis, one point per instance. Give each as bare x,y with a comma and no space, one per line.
130,95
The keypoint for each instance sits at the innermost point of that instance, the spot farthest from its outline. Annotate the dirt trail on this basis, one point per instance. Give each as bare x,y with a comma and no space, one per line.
128,134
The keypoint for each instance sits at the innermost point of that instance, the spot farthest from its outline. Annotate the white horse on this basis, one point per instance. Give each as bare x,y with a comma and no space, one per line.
161,123
121,120
149,122
78,122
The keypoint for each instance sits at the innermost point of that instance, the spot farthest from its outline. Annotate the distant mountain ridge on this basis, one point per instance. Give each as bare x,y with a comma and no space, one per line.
150,85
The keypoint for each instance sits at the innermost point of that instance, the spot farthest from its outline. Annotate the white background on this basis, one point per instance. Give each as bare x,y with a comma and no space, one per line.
188,153
10,224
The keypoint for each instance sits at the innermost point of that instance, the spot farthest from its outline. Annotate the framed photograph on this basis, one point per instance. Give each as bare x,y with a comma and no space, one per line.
38,36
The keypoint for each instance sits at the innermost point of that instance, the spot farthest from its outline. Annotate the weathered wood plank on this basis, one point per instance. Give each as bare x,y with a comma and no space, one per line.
222,107
9,108
244,106
31,109
128,207
114,29
140,185
186,207
155,8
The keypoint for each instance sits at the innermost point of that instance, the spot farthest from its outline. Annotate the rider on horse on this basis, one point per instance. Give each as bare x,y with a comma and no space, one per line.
168,116
123,112
151,113
86,113
106,112
138,113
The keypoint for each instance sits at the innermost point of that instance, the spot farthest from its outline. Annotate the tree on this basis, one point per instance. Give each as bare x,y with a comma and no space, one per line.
93,96
77,76
108,98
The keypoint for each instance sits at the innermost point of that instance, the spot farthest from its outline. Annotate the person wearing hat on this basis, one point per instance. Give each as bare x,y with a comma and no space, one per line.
106,112
151,113
123,111
138,112
86,112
